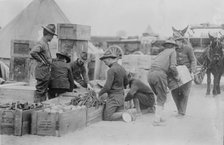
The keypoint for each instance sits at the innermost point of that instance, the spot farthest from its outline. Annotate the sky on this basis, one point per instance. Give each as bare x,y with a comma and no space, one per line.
107,17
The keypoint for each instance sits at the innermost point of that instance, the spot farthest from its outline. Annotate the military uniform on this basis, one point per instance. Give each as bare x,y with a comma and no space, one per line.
61,78
114,87
79,73
163,64
142,92
41,52
185,56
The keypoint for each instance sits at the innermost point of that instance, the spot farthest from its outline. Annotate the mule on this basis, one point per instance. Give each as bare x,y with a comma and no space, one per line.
213,64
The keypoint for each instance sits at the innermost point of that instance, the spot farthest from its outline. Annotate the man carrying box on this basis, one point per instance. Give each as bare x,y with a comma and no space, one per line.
185,56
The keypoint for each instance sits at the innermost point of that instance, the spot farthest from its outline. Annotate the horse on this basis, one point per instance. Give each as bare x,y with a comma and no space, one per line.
212,60
179,33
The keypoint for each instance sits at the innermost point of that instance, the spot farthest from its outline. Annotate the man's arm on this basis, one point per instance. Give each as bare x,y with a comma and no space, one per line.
109,82
192,60
71,80
131,93
173,63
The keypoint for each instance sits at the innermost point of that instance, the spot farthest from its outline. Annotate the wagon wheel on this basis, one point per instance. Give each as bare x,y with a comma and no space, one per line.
198,78
115,49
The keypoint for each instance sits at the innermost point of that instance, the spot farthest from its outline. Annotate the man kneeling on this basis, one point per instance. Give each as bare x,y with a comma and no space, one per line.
142,95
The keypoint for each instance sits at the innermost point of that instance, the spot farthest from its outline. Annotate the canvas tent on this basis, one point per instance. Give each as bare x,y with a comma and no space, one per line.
27,24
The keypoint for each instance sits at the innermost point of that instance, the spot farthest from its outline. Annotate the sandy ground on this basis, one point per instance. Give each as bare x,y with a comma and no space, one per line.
199,127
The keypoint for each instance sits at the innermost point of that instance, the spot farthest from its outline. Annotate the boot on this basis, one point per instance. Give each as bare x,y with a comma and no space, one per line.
158,120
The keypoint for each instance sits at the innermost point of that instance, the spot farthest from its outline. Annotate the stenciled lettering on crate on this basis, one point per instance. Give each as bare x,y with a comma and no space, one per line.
15,122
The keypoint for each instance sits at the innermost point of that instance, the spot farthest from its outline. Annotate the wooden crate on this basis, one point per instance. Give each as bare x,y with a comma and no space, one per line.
73,47
184,75
58,124
94,115
21,48
15,122
17,92
73,31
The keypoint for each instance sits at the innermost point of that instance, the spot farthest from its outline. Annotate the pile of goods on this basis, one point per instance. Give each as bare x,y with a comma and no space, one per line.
88,99
61,108
20,106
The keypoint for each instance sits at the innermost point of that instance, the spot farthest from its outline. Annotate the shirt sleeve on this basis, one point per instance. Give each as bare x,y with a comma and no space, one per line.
192,60
173,63
132,92
109,82
84,74
35,52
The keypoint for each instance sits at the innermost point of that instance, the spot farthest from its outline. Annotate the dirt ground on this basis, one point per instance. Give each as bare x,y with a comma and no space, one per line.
199,127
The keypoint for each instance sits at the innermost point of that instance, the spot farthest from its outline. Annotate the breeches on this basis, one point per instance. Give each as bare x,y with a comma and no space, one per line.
115,103
158,82
145,100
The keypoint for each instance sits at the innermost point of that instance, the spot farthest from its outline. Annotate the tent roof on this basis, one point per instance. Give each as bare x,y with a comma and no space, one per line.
27,24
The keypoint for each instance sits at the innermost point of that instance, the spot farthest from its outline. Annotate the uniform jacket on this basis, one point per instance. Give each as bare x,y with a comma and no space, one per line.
79,74
185,56
40,53
61,76
166,61
116,80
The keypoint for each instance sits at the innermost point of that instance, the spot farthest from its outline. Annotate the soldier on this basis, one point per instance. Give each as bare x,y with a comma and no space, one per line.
114,87
61,76
142,95
79,70
41,53
185,56
163,64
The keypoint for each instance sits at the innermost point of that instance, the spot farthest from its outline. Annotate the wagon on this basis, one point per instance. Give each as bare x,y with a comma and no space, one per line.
199,45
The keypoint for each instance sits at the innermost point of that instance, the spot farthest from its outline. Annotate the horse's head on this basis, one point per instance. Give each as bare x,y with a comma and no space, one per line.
179,33
215,50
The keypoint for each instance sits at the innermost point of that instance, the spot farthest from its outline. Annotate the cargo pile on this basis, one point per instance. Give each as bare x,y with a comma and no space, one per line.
20,106
89,99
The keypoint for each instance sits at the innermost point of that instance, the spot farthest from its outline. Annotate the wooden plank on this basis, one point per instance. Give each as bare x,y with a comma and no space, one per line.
7,122
18,123
21,48
73,31
34,122
94,115
13,84
17,93
73,47
46,123
72,121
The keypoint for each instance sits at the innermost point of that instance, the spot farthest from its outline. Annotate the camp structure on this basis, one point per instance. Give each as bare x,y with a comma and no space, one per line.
27,25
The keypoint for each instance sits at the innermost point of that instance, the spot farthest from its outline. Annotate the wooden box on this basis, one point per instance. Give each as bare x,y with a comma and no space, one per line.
73,31
184,75
21,48
73,47
94,115
58,124
19,91
15,122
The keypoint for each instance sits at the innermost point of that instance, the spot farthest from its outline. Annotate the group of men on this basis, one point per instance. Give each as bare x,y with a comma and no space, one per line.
58,76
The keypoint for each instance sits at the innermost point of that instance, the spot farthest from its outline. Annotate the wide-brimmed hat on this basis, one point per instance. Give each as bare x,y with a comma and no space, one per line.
170,42
50,28
108,54
65,55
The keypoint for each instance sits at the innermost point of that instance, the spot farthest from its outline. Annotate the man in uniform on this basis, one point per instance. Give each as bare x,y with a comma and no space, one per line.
185,56
163,64
79,71
41,53
61,76
142,95
114,87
